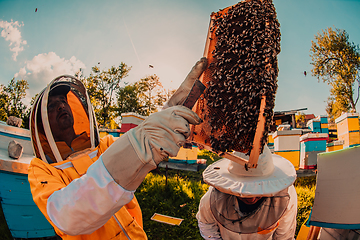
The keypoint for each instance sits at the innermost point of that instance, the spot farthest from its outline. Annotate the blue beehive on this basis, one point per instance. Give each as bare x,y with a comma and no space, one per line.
324,124
314,145
325,130
22,216
314,125
310,145
114,132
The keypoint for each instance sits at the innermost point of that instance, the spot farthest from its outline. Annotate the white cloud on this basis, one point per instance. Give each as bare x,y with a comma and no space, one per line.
45,67
12,33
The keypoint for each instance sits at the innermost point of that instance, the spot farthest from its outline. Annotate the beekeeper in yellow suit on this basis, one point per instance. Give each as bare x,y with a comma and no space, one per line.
85,185
255,204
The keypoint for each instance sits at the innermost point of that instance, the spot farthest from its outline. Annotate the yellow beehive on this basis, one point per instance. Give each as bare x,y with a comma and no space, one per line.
287,145
324,125
303,233
187,154
292,156
354,138
270,139
103,133
334,146
348,129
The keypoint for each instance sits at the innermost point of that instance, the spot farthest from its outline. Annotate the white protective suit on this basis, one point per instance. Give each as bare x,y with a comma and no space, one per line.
284,228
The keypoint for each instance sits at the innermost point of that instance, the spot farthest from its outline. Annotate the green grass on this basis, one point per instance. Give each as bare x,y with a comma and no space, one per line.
175,196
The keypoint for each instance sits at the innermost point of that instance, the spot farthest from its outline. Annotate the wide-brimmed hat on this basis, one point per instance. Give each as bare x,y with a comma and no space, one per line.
272,175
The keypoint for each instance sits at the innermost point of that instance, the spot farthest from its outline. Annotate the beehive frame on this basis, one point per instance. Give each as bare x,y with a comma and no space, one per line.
237,107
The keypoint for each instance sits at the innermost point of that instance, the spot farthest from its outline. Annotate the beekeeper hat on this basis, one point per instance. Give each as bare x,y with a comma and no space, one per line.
59,88
272,175
84,117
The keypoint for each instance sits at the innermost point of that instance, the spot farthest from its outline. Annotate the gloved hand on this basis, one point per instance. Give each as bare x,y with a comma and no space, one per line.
182,92
141,149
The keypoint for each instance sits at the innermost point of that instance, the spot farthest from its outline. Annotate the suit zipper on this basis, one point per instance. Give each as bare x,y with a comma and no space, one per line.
122,228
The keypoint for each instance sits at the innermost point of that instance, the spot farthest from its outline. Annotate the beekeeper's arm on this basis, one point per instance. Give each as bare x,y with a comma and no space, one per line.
287,223
208,226
88,203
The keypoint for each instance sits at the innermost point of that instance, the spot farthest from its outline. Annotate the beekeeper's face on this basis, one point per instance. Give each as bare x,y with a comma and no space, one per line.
60,116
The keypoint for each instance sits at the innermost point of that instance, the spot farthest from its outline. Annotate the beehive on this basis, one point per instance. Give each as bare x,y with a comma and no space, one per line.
130,120
270,142
287,145
336,203
242,47
324,124
348,129
186,155
314,125
311,144
334,146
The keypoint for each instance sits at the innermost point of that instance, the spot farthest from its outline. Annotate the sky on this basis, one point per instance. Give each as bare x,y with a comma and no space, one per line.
40,40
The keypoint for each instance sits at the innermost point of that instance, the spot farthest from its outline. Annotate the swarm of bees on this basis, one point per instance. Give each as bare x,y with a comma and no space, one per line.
244,41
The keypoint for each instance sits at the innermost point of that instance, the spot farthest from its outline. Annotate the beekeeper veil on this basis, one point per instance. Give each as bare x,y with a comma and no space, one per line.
85,123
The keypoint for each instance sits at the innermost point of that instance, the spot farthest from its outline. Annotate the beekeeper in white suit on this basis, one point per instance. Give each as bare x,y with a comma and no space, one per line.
260,203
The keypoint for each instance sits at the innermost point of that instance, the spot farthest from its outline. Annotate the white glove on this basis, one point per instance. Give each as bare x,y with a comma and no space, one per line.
137,152
182,92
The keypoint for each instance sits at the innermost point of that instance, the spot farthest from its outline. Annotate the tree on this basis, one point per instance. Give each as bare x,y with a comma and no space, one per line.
11,103
336,105
143,97
152,93
128,100
336,61
26,118
102,86
300,120
3,104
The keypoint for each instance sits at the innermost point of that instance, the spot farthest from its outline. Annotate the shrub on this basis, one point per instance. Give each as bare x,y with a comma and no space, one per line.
209,156
305,189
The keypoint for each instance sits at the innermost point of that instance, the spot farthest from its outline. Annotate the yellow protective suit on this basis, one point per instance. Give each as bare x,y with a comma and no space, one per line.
46,178
71,185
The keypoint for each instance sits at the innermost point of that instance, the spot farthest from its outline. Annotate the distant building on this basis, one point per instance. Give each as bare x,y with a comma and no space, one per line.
287,117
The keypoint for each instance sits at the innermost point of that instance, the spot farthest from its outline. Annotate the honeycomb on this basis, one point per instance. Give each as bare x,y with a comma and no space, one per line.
242,46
